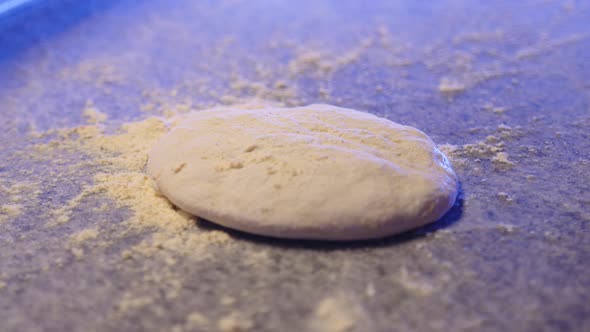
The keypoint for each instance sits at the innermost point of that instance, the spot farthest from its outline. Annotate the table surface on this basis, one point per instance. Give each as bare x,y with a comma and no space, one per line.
492,80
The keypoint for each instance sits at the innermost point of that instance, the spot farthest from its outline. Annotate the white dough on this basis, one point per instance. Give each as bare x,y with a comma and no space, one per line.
313,172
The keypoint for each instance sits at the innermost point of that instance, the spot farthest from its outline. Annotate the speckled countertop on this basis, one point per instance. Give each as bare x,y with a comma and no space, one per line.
505,85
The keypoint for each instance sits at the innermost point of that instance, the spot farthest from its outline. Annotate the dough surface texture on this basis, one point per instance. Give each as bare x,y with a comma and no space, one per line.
312,172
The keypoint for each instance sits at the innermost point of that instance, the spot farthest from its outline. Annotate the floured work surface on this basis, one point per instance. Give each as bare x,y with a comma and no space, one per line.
88,245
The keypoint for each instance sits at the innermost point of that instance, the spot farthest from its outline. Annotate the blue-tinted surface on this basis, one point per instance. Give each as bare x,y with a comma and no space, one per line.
518,263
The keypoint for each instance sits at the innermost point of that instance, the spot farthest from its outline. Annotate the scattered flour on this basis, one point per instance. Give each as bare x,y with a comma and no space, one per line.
546,46
451,86
84,235
339,313
492,148
92,114
502,158
121,158
415,282
8,211
16,197
235,322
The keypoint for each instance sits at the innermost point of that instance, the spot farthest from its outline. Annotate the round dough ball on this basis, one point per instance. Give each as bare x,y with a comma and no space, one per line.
313,172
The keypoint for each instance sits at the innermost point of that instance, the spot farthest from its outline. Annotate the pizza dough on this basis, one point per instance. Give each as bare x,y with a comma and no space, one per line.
313,172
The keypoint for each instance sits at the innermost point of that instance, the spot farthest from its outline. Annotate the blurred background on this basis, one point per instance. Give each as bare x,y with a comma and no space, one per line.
504,85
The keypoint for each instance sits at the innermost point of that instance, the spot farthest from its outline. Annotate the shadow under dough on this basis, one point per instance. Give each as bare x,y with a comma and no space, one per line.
451,217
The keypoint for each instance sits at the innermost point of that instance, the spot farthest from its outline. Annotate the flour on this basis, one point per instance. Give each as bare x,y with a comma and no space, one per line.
235,322
84,235
10,211
339,313
92,114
